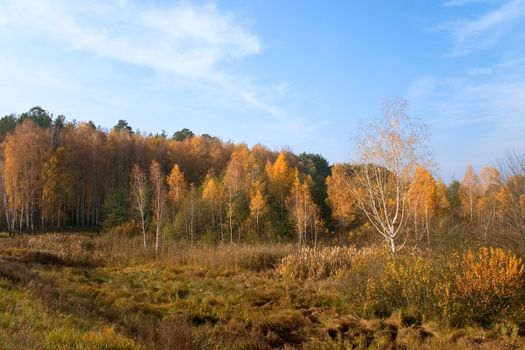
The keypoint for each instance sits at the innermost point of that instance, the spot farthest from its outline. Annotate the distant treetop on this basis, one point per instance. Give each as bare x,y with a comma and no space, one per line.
123,125
37,115
183,134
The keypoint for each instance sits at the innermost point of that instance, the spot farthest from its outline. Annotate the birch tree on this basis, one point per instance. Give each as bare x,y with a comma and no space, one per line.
469,193
280,179
302,211
211,195
240,175
389,152
422,202
258,206
25,152
159,199
512,171
177,188
491,201
139,195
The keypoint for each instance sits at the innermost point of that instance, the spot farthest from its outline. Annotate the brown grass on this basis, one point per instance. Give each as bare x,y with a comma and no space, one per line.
227,296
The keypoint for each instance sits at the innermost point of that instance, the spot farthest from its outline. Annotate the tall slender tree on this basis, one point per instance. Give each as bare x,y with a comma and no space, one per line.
258,206
139,197
212,197
389,151
469,193
302,210
158,185
177,189
422,203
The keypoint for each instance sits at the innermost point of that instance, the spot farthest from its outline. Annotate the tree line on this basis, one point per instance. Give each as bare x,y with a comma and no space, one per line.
66,175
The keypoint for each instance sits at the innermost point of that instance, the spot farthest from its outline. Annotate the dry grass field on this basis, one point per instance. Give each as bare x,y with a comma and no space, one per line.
73,291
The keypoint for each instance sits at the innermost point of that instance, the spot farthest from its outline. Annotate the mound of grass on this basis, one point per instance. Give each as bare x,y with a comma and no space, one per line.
27,324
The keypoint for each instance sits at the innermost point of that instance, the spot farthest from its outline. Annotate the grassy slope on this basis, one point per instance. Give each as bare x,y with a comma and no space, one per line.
190,299
25,323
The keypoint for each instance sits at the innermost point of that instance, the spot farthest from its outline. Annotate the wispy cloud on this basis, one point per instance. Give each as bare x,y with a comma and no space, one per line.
477,119
463,102
189,42
485,30
476,108
479,71
464,2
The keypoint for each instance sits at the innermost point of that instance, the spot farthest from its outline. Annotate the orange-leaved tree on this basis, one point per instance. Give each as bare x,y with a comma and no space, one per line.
212,196
343,205
177,189
302,211
258,205
422,202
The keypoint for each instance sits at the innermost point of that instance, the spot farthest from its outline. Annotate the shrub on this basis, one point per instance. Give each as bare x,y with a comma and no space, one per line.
445,291
313,263
404,283
261,258
366,264
58,249
127,229
490,284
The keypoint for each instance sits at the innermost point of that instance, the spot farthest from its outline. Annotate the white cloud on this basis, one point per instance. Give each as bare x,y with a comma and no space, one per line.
513,62
204,24
464,2
284,89
460,101
479,71
11,71
474,118
478,114
190,43
485,30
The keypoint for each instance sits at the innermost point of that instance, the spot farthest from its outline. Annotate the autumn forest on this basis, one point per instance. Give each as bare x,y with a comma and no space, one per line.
158,241
60,175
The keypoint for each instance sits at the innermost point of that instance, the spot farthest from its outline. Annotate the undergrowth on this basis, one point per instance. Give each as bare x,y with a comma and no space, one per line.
86,291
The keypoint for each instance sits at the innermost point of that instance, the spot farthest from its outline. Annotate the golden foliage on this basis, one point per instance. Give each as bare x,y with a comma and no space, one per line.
403,283
242,171
303,212
339,195
491,281
422,201
177,185
257,204
280,177
210,189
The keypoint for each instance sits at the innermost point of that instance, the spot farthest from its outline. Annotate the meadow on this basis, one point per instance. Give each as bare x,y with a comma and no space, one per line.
241,175
85,291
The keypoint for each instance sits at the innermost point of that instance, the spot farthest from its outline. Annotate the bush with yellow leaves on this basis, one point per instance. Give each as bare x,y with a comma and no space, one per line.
404,283
490,283
481,287
366,264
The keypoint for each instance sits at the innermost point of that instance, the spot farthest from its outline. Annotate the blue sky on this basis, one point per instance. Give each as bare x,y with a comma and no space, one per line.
303,74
